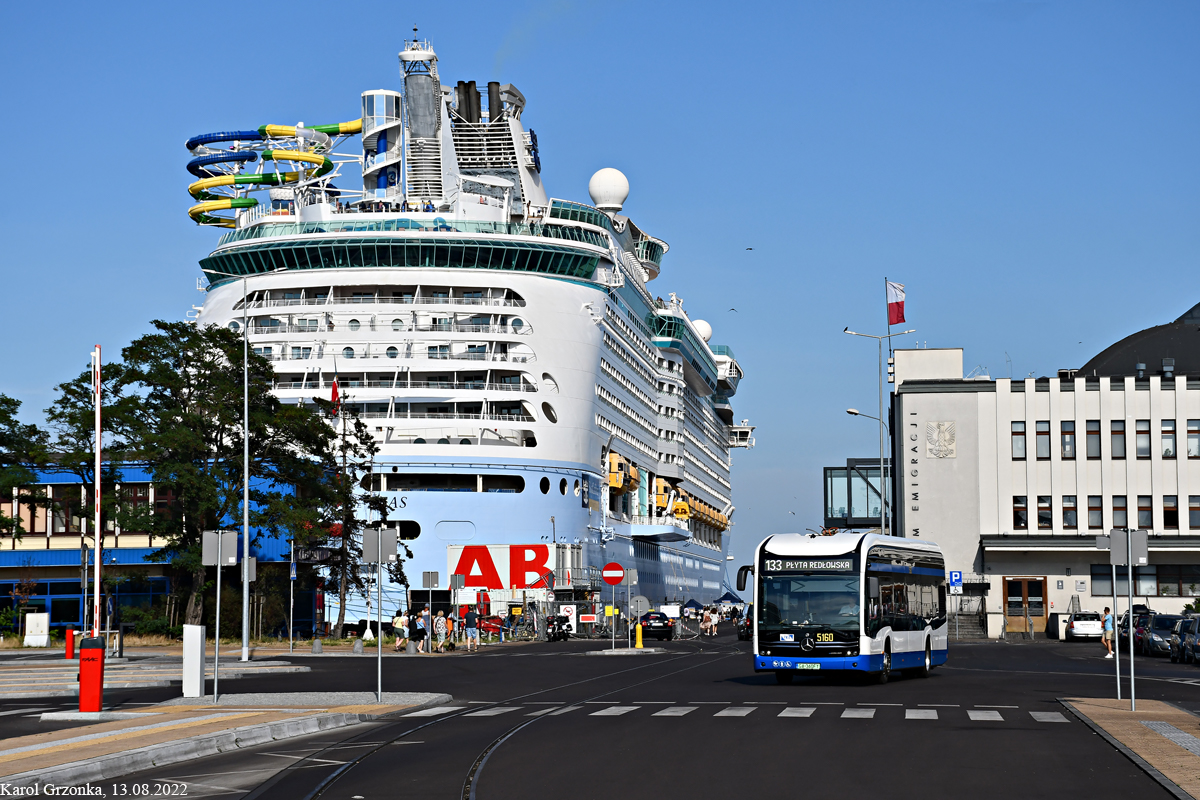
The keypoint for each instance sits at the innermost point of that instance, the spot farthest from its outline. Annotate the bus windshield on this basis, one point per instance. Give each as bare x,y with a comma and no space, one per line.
799,601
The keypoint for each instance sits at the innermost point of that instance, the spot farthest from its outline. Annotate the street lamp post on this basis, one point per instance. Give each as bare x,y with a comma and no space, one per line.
883,493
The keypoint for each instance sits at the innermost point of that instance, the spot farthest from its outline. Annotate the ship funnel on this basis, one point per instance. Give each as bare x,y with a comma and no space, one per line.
609,188
495,106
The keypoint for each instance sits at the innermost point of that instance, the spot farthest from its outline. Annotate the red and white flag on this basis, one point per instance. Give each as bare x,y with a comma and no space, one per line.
335,397
895,303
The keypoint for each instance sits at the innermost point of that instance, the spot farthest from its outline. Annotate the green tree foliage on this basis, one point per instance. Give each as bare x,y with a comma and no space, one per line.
22,447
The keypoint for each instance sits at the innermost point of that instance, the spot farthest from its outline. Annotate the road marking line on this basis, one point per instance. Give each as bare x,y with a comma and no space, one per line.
938,705
543,702
674,711
979,706
540,713
984,716
614,711
491,712
920,713
797,712
565,710
858,713
736,711
897,705
710,702
600,702
828,704
1050,716
653,702
433,712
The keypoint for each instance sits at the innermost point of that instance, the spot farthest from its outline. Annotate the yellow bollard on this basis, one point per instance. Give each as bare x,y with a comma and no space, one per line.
638,646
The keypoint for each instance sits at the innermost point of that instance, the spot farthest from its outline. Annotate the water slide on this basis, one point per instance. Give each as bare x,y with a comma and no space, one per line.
316,136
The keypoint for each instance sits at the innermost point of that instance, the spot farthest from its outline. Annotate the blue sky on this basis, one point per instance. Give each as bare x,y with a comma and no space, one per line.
1028,169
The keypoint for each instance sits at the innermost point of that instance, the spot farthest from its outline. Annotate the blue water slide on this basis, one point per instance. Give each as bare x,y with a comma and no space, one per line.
223,136
197,166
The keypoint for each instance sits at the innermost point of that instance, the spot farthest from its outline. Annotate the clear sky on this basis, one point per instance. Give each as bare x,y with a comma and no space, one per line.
1028,169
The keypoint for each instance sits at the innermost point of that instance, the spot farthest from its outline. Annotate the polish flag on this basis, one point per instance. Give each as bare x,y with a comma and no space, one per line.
895,303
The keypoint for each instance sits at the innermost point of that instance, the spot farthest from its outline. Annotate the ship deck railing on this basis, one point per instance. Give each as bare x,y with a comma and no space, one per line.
400,383
406,301
454,327
400,415
415,356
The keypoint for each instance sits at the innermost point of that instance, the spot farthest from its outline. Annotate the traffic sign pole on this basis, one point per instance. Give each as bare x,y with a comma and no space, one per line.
613,573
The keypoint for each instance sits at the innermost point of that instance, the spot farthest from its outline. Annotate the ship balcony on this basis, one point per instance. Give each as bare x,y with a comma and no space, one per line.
400,384
379,351
517,328
741,435
407,299
662,530
723,408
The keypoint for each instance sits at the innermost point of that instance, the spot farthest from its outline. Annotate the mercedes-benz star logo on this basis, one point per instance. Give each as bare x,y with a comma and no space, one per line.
806,644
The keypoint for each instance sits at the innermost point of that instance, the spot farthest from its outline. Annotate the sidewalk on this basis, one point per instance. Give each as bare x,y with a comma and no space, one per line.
172,732
59,677
1162,736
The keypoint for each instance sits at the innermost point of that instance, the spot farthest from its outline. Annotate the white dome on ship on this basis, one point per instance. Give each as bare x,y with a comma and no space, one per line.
704,329
609,187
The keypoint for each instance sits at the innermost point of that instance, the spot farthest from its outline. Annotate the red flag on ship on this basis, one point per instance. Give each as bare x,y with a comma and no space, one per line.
895,303
335,398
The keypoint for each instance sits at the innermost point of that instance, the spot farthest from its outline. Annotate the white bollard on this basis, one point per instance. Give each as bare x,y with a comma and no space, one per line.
193,660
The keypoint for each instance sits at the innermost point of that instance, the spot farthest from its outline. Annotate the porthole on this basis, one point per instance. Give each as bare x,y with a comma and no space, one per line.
548,410
562,487
548,383
418,440
576,487
392,352
354,325
544,485
409,529
517,324
397,324
464,441
348,352
235,326
443,440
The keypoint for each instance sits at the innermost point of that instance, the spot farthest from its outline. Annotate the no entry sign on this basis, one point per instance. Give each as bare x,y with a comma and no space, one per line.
613,573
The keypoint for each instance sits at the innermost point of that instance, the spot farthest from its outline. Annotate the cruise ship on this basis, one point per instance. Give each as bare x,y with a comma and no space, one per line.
524,382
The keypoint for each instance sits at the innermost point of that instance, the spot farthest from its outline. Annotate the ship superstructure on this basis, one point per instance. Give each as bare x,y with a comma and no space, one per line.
523,382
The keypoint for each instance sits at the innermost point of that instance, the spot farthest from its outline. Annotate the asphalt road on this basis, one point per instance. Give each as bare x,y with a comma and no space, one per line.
694,722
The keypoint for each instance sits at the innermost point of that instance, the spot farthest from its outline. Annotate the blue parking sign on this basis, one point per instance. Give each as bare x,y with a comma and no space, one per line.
956,582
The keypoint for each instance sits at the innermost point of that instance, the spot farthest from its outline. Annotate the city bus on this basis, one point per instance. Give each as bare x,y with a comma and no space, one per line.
847,601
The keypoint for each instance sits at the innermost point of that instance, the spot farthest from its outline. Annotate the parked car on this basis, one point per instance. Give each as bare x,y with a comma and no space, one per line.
1084,625
1156,634
1187,647
658,625
1179,638
745,625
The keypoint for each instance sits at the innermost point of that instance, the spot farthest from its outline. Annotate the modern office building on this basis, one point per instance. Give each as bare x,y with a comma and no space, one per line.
1016,478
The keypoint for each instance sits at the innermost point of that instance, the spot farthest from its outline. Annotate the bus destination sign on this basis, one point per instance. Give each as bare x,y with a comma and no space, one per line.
808,565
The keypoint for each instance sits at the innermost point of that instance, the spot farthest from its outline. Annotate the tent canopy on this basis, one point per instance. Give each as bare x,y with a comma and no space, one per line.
692,604
730,597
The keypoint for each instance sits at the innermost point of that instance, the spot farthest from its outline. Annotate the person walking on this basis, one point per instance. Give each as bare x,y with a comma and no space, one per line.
1108,632
422,634
716,617
439,630
400,629
471,626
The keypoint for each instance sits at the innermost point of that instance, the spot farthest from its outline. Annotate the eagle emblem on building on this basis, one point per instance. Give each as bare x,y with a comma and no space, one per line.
940,440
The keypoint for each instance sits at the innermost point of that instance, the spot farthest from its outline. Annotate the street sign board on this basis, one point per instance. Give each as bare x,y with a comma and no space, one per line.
569,613
631,578
312,555
218,546
612,573
638,606
587,618
293,572
380,547
429,580
956,585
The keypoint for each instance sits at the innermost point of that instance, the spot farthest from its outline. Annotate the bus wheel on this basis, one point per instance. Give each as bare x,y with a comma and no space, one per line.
924,670
784,678
885,670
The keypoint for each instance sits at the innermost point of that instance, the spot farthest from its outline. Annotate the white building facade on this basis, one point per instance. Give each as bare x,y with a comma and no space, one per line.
1014,479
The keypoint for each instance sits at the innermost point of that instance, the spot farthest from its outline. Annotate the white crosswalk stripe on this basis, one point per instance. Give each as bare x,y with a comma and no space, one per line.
492,712
983,715
797,712
858,713
920,713
613,711
566,710
674,711
1048,716
736,711
433,712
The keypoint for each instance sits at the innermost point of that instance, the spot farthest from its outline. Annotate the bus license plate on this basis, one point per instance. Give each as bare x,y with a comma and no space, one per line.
808,666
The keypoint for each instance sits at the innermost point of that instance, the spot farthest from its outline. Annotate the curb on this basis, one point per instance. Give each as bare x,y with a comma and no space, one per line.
167,753
1141,763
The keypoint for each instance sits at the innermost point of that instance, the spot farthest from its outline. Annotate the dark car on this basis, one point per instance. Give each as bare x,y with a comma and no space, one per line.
658,625
1156,634
745,625
1179,639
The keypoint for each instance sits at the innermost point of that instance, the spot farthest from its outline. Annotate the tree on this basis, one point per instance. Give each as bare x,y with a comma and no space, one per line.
185,422
22,448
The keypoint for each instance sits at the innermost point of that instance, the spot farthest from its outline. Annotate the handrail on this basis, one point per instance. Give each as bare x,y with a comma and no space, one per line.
407,301
330,327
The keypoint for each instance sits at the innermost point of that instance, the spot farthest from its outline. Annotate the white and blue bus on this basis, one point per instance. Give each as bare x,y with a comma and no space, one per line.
847,601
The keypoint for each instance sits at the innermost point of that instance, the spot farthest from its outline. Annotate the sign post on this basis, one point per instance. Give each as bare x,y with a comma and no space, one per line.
214,551
613,574
378,550
956,588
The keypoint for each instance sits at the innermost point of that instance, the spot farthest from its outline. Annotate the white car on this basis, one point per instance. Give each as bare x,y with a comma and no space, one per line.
1085,625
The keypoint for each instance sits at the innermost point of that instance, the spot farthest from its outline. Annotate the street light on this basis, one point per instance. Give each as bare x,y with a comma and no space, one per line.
854,412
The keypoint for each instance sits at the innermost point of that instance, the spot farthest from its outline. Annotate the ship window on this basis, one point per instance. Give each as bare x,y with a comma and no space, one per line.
577,488
235,326
354,325
544,485
562,487
418,440
392,352
464,441
408,529
397,324
517,324
348,352
443,440
548,410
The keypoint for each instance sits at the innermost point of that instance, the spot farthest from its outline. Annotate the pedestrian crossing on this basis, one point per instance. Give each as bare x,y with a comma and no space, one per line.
726,709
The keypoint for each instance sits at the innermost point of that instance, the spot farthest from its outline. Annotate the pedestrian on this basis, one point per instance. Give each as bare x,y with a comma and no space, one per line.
1108,632
471,625
439,630
400,629
716,617
705,621
422,632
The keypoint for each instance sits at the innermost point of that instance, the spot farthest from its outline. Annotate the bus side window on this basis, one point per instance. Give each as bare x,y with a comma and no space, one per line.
942,601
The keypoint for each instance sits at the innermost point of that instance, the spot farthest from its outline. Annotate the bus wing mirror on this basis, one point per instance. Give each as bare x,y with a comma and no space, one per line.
743,571
873,587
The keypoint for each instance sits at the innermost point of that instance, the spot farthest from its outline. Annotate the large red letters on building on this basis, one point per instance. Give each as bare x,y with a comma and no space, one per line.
515,566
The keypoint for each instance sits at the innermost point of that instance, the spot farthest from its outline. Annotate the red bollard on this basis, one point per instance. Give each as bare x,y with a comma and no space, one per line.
91,675
70,642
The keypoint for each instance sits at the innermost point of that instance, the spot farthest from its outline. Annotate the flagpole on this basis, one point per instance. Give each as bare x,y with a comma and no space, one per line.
883,483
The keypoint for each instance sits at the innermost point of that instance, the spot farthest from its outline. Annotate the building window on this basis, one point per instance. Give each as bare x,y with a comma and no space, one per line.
1194,438
1068,440
1141,439
1093,438
1095,511
1145,512
1118,440
1020,513
1120,515
1018,441
1194,511
1045,512
1070,512
1043,439
1168,438
1171,512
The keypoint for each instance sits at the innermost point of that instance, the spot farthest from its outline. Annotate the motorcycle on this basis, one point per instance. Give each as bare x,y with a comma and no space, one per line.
556,629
